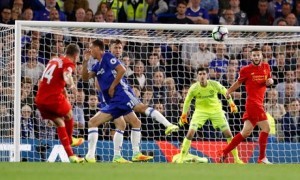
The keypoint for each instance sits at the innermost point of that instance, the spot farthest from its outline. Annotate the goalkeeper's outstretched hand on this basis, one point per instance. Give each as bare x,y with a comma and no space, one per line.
233,108
183,120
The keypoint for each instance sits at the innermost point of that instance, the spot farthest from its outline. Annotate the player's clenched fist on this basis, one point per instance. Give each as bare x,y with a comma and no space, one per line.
233,108
183,119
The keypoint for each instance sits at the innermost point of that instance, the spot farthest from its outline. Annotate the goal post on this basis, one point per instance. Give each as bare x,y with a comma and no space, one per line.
178,45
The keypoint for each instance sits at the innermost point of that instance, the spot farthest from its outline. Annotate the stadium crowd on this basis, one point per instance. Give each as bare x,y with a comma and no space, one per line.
159,73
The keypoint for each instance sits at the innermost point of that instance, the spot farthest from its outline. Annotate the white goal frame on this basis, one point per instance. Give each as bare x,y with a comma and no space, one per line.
44,24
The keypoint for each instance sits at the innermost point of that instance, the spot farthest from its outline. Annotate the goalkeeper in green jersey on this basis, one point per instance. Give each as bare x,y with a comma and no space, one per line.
207,107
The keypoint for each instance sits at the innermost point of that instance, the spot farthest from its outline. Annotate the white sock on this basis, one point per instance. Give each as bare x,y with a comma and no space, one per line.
157,116
118,142
92,142
135,138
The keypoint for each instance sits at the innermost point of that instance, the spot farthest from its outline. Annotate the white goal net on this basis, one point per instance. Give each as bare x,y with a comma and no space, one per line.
161,61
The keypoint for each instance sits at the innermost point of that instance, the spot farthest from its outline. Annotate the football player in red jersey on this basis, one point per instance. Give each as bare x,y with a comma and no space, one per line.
256,77
52,100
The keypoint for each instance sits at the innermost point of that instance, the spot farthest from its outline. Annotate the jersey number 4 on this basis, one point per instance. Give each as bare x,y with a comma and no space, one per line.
48,73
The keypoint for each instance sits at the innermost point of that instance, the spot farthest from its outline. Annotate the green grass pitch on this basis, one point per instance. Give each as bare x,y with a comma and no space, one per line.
147,171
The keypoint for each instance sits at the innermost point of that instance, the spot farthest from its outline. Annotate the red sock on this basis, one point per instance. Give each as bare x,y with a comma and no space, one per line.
64,140
237,139
262,141
69,128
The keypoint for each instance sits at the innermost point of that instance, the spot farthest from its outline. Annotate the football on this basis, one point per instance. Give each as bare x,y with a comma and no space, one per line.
219,33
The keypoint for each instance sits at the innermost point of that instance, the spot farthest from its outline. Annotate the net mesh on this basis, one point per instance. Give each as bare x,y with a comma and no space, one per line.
177,54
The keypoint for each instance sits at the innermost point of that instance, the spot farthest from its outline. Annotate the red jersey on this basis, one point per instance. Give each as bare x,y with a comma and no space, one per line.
255,78
52,84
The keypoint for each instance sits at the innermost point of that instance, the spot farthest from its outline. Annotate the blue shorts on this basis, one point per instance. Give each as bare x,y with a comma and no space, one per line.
121,104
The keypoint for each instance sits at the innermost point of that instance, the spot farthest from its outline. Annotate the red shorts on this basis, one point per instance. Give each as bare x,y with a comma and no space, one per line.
255,114
54,110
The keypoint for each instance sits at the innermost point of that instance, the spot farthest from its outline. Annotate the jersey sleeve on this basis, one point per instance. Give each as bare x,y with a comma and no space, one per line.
242,75
219,88
188,99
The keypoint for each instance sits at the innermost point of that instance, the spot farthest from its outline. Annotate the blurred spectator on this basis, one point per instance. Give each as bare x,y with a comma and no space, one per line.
116,48
159,88
16,13
245,56
275,8
103,8
153,65
218,66
27,14
27,124
228,17
99,17
54,15
241,17
44,128
262,17
288,84
110,16
18,4
291,20
297,11
6,16
78,116
181,17
133,11
202,57
267,53
279,68
196,13
147,97
276,110
155,9
89,15
80,15
212,6
27,97
281,22
114,5
128,64
44,14
32,68
291,122
286,10
138,78
71,6
173,96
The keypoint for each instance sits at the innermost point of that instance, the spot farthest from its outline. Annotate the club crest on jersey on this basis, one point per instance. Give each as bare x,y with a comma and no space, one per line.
113,61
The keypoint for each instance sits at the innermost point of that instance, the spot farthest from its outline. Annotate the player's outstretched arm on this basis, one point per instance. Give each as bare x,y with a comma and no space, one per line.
234,87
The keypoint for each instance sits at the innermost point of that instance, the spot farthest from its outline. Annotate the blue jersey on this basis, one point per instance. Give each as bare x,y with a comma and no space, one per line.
123,99
200,13
105,72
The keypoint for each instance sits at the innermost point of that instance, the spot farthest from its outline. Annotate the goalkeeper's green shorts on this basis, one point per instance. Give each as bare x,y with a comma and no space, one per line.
218,120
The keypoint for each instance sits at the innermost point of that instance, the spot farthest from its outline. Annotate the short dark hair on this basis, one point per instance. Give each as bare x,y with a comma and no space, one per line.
99,44
116,41
255,49
72,49
202,69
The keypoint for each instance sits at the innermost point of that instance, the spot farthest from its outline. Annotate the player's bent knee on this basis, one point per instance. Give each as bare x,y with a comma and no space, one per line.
120,124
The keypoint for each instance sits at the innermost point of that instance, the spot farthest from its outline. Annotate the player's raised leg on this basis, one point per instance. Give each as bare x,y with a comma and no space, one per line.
262,141
237,139
93,124
228,135
156,115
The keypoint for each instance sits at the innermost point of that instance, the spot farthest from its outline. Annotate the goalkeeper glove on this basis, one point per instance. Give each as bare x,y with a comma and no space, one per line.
233,107
183,120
